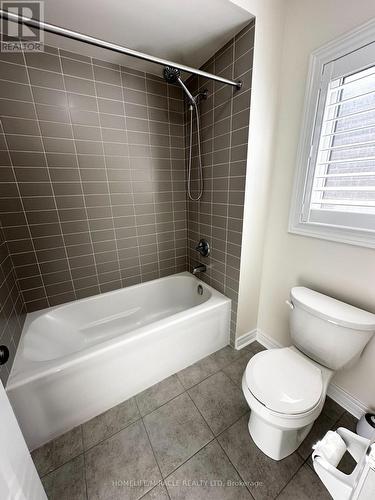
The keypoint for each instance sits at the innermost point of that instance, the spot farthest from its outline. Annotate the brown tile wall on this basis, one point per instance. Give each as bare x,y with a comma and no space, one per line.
11,308
218,216
93,182
92,192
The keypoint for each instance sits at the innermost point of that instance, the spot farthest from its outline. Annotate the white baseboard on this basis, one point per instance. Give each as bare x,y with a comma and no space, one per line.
245,339
267,341
347,401
343,398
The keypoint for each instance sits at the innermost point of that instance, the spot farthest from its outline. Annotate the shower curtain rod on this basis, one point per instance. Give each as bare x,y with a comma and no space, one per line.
73,35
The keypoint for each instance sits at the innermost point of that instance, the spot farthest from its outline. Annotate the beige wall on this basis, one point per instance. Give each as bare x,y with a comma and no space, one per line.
344,271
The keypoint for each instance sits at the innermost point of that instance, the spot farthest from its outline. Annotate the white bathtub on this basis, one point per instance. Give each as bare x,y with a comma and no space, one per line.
77,360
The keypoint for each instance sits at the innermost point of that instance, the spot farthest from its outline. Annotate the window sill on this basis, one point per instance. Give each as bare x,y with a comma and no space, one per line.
339,235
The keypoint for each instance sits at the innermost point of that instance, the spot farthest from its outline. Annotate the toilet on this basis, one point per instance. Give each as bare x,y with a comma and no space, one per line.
286,387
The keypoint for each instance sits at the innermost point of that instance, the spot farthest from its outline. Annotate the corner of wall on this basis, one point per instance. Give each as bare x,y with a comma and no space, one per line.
265,98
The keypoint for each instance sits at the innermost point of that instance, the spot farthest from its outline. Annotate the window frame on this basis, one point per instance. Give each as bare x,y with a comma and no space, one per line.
324,55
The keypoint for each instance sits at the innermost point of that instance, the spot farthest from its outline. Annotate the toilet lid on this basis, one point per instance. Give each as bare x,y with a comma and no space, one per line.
284,381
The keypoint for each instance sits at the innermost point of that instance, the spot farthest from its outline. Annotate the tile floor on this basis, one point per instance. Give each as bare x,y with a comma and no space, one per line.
184,438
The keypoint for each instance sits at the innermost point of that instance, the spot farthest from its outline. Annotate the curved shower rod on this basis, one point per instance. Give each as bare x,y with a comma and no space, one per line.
73,35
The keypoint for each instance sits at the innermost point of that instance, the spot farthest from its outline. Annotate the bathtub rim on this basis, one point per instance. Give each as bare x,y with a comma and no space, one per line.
16,380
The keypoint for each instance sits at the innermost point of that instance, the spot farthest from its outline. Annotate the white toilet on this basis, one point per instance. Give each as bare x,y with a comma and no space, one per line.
286,388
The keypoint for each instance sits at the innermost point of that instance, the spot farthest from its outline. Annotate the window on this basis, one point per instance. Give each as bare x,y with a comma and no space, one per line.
334,195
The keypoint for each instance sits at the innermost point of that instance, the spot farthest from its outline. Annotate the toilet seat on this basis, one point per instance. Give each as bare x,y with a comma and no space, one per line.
284,381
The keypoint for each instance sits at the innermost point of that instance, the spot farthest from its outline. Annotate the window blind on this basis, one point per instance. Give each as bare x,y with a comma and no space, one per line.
344,175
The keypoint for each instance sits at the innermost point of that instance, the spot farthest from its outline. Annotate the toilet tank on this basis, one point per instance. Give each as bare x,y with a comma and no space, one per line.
327,330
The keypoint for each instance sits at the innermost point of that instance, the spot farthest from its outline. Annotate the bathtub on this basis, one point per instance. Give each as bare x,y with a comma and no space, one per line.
79,359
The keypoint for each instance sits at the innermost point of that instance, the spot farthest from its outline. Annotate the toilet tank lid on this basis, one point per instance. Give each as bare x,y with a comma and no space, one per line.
332,309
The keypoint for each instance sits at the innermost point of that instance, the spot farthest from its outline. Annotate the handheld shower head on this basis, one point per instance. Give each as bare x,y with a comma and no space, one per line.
172,75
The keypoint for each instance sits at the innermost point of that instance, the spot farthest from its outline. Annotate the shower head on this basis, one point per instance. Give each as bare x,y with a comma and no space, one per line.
172,75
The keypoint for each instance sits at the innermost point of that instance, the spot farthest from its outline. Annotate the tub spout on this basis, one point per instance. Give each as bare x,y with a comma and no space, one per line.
200,268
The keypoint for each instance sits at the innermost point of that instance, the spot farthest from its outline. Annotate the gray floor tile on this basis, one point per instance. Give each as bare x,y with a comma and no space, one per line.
348,421
255,347
226,356
67,482
332,409
266,477
305,485
158,394
177,431
157,493
108,423
236,369
59,451
208,475
220,401
122,467
197,372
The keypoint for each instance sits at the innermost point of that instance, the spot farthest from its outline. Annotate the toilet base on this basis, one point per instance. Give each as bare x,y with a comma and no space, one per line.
274,442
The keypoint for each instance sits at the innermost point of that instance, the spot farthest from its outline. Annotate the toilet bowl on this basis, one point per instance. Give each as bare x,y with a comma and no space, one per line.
286,388
286,393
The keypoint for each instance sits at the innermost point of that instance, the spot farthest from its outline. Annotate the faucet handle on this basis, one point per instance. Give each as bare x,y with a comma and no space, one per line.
203,248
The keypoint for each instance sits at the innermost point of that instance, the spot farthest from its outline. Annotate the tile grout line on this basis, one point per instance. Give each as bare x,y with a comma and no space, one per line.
230,461
215,438
153,195
334,421
84,463
26,220
50,471
146,414
141,133
154,455
291,478
123,79
81,185
168,268
226,428
171,175
122,69
50,183
152,448
94,112
107,182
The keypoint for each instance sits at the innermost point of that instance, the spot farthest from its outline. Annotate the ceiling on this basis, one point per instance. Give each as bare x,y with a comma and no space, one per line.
188,32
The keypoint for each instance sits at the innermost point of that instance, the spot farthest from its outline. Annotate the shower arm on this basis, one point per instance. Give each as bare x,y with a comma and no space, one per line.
187,92
73,35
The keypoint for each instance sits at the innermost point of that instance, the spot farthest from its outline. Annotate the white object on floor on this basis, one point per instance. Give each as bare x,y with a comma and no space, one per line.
331,448
18,476
77,360
360,484
286,388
